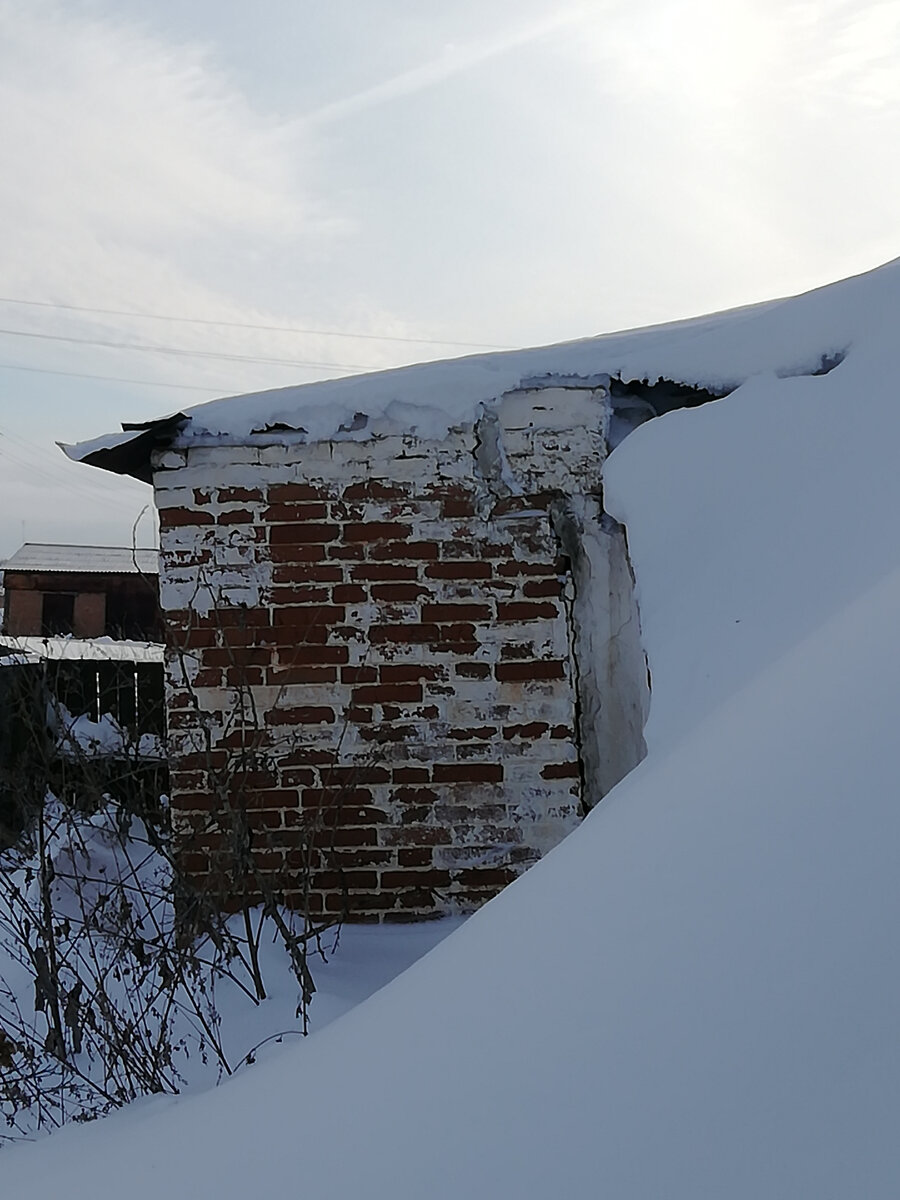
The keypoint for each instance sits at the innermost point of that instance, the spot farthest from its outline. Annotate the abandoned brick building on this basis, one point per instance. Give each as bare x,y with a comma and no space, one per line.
82,592
403,654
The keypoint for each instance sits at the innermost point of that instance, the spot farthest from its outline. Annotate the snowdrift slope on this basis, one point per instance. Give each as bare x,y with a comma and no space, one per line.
696,994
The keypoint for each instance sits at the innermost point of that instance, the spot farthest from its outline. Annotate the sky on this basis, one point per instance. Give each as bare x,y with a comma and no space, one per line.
213,198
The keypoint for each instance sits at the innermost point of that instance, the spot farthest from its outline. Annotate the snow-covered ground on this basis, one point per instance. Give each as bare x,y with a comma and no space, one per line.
696,994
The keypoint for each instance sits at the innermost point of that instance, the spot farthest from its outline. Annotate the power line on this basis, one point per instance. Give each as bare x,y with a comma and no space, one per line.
50,472
250,358
342,333
191,387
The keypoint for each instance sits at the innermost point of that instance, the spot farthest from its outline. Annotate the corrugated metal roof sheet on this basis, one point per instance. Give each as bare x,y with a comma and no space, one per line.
100,560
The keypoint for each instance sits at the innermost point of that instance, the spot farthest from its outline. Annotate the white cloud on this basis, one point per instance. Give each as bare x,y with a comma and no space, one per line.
454,60
118,131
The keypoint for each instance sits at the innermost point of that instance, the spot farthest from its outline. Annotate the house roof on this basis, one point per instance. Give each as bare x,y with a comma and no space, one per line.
801,335
83,560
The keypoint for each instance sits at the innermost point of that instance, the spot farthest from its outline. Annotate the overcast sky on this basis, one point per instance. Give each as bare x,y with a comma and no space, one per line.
501,172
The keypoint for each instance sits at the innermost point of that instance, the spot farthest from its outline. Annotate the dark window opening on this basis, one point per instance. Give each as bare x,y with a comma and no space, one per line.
132,616
57,614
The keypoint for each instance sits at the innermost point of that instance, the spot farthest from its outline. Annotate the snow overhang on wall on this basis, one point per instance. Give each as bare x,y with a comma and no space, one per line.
807,334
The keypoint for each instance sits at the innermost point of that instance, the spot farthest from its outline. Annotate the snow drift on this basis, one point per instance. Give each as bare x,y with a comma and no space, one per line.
695,994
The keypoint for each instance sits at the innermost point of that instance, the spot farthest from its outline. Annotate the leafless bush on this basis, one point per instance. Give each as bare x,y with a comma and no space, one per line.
110,960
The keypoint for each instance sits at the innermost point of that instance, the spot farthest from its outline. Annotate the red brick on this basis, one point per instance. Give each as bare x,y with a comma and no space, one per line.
242,677
355,715
511,504
418,856
414,795
359,881
411,774
517,651
282,676
297,553
375,531
565,770
509,671
433,878
366,857
303,573
360,674
405,550
238,617
315,654
398,592
286,492
417,898
542,587
280,535
412,633
346,551
472,670
338,800
194,801
496,550
357,835
298,777
534,729
242,495
172,518
472,772
516,567
354,775
458,507
350,593
237,516
469,735
308,715
415,835
518,610
379,571
450,637
309,616
286,513
459,569
493,877
374,489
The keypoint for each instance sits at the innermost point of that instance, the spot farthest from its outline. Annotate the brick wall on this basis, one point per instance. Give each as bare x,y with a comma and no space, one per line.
89,615
371,686
24,611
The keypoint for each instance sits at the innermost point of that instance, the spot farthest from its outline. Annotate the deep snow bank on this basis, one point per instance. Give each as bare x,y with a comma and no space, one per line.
695,995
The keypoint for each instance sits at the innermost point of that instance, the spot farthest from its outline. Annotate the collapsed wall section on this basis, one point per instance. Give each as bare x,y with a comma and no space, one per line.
373,696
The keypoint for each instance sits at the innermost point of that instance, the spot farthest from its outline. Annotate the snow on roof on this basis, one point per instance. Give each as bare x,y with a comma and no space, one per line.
57,649
84,560
788,337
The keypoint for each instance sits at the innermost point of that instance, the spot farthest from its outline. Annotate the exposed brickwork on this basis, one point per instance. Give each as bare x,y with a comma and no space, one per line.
370,666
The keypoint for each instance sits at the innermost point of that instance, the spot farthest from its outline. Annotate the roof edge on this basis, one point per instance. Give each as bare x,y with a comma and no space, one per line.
128,453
